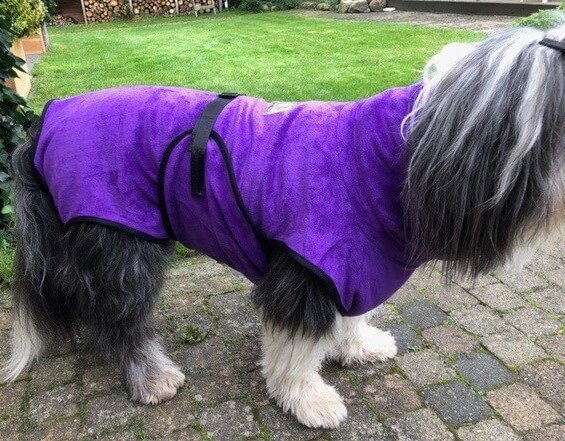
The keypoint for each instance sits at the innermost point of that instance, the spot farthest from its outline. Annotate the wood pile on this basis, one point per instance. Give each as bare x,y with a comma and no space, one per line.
97,11
153,7
105,10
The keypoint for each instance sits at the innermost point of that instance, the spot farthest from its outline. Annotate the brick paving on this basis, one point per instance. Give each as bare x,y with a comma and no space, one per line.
489,367
476,363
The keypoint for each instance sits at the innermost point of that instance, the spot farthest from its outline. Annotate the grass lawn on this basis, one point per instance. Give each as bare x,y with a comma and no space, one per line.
282,56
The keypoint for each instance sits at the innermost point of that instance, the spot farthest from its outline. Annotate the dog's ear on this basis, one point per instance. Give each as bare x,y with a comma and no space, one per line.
486,154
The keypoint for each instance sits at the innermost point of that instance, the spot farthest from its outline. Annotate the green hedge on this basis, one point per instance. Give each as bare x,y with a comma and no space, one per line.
544,19
265,5
21,17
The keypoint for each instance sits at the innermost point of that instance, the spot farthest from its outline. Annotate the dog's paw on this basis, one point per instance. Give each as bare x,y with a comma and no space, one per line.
313,402
320,406
369,345
161,388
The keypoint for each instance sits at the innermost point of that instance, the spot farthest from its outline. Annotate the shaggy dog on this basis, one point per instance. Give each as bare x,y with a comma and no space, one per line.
327,207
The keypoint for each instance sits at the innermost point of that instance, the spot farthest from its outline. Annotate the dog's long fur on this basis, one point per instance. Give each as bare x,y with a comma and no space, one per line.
486,178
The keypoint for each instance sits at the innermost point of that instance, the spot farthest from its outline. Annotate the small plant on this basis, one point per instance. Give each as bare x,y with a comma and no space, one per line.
15,119
192,334
544,19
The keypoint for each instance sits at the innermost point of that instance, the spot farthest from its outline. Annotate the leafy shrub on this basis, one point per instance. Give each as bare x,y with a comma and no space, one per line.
51,7
15,119
544,19
21,17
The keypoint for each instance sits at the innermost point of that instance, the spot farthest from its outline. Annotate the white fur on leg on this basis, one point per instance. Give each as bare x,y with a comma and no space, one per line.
362,343
290,365
153,378
27,345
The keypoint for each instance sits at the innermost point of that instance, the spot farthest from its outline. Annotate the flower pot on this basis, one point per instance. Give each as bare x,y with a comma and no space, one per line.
22,84
34,44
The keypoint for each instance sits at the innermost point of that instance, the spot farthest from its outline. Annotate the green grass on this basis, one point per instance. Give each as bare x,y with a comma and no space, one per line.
278,56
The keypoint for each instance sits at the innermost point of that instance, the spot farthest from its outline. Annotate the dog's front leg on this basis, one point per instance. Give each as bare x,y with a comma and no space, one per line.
362,343
290,366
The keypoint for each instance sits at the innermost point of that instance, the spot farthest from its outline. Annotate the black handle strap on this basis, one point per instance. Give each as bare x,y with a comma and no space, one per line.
553,44
199,139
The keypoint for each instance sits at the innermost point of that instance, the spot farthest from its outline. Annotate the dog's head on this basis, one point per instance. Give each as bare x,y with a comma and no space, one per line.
486,152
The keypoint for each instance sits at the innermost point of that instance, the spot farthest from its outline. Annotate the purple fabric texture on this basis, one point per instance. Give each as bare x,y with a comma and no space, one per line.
322,178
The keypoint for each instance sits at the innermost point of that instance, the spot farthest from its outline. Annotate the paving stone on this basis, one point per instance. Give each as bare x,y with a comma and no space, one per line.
62,430
188,310
236,314
340,378
543,263
229,421
254,385
445,297
480,282
109,411
245,353
9,430
556,276
383,314
4,344
188,434
162,420
12,397
424,367
119,435
57,402
204,355
551,299
554,344
489,430
361,425
421,425
215,385
52,371
513,347
550,433
405,337
521,407
480,320
498,296
102,378
422,314
522,281
406,293
532,321
283,426
548,378
450,339
456,403
483,370
392,395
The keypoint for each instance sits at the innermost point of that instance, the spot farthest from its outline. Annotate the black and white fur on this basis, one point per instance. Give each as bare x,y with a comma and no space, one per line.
486,180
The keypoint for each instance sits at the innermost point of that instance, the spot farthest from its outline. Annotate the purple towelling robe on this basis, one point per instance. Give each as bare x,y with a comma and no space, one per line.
320,178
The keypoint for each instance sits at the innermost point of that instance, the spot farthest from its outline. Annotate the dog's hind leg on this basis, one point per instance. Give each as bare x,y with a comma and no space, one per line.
362,343
122,276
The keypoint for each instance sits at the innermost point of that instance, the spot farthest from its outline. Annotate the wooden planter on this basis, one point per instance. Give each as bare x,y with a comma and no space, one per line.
20,85
34,44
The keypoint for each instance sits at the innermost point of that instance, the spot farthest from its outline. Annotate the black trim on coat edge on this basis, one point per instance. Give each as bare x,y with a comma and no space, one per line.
266,244
116,225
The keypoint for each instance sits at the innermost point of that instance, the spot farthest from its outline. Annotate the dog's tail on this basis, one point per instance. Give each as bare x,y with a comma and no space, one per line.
39,311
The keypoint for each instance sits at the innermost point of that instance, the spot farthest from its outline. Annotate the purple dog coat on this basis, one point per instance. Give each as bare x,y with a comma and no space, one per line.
320,178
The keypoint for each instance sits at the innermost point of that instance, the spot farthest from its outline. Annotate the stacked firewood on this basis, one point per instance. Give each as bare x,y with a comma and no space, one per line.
153,7
105,10
186,6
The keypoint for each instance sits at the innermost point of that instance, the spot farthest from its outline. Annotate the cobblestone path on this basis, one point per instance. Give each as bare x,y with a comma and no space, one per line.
475,363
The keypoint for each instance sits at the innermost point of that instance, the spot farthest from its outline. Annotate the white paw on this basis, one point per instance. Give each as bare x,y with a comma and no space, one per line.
368,345
162,388
314,403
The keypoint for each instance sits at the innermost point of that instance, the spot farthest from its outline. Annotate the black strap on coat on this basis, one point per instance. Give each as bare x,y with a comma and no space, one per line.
199,139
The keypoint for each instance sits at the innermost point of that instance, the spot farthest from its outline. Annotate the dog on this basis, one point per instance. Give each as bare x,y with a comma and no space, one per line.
326,207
